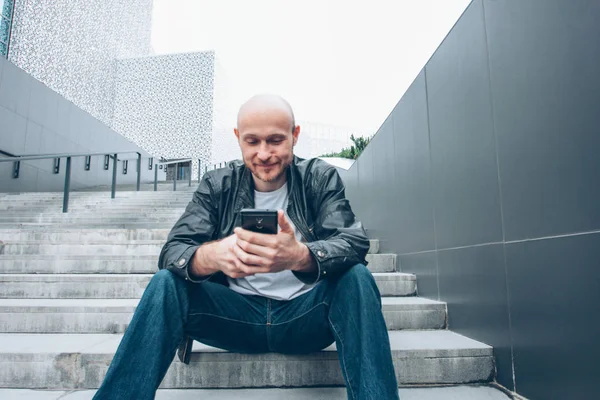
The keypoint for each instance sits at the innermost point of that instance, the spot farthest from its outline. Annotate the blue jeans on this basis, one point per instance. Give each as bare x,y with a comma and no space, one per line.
346,310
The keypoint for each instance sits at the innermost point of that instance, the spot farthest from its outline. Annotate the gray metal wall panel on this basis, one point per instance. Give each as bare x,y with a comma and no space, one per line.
365,203
33,140
14,89
13,128
544,92
385,219
465,184
424,266
413,209
467,202
473,282
36,120
544,62
554,289
28,178
43,105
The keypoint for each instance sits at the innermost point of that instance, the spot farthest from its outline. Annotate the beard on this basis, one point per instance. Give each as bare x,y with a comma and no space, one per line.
274,174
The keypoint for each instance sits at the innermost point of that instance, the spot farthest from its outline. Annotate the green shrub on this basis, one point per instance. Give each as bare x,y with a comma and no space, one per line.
352,152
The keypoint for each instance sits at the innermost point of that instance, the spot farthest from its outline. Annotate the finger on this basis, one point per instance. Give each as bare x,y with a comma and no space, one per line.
283,222
255,249
246,258
250,269
234,274
261,239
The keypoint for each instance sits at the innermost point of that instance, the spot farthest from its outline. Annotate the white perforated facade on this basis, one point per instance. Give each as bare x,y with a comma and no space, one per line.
71,46
165,104
98,55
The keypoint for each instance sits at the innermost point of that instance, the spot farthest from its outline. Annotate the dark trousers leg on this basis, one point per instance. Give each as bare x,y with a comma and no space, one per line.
361,337
347,309
170,306
150,341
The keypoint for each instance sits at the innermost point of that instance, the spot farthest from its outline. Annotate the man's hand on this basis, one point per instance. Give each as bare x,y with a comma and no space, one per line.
220,256
273,253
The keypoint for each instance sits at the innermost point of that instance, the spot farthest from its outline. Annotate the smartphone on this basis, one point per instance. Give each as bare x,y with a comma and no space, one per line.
259,220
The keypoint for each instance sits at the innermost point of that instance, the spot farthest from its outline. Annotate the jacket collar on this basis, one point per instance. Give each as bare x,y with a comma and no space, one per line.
245,189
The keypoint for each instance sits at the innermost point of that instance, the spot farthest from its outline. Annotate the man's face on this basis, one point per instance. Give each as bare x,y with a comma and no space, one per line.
267,139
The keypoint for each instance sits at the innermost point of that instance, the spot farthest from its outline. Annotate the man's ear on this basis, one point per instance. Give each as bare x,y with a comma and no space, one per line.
237,133
296,133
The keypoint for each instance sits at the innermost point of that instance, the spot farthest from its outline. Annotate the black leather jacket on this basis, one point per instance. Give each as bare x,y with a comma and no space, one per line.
317,206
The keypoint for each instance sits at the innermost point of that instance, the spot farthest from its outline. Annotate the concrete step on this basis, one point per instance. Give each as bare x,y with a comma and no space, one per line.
96,237
139,264
143,224
174,199
457,392
92,216
104,199
95,193
81,247
131,286
76,209
97,223
105,236
58,361
114,315
181,201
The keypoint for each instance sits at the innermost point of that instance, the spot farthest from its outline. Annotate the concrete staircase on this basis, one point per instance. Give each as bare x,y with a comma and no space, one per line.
69,284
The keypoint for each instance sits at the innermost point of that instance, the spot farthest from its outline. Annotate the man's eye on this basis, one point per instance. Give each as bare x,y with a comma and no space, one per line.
276,141
252,142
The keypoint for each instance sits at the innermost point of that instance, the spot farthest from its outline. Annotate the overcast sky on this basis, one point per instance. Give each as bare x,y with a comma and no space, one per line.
339,62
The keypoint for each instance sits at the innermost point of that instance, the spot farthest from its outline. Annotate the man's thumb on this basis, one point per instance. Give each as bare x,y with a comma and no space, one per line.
283,222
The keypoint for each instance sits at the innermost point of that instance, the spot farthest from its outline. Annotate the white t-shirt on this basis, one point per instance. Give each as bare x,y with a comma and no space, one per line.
279,285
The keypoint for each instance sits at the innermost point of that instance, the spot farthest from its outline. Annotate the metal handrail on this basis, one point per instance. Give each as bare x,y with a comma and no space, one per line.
182,160
61,155
177,162
67,186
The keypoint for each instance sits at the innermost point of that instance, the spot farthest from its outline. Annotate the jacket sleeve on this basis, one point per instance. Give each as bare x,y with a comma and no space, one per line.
342,242
195,227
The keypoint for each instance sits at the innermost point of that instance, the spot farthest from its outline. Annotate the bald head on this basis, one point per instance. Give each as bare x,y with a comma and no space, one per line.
264,104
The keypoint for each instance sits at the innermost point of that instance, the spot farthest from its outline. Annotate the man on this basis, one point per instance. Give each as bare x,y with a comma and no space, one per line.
294,292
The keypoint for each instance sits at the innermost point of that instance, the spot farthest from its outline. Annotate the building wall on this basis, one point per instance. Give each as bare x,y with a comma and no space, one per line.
6,11
485,177
165,104
98,55
36,120
71,46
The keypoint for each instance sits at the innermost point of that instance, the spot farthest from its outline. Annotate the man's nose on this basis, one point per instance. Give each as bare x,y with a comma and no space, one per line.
264,152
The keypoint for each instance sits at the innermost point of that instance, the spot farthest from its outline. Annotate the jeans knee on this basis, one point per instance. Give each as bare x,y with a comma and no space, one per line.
359,276
164,280
358,286
358,273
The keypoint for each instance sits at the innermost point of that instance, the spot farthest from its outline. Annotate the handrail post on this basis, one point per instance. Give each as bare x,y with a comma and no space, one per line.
175,177
114,178
67,186
155,177
139,171
190,177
